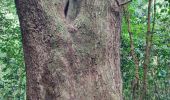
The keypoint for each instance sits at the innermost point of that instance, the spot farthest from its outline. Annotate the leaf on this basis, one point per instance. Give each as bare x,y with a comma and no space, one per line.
3,55
162,73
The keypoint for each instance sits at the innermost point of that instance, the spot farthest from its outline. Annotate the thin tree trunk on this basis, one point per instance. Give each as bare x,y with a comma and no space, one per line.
135,83
147,53
71,49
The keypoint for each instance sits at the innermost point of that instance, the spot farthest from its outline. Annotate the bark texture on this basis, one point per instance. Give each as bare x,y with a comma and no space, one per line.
71,49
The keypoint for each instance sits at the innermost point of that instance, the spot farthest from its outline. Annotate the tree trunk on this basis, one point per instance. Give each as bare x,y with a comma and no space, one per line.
71,49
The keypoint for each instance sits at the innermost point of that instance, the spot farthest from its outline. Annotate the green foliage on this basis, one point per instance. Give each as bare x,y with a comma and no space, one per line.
158,78
12,71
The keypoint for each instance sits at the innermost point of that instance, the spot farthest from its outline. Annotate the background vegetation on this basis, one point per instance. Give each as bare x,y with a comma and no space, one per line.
12,70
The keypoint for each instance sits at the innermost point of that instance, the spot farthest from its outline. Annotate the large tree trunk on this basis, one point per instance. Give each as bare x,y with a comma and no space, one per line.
71,49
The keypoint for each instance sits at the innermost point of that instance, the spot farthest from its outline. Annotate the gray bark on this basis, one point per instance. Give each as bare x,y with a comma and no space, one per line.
73,56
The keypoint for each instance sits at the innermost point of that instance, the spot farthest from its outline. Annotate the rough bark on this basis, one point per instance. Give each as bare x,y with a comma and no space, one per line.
71,53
